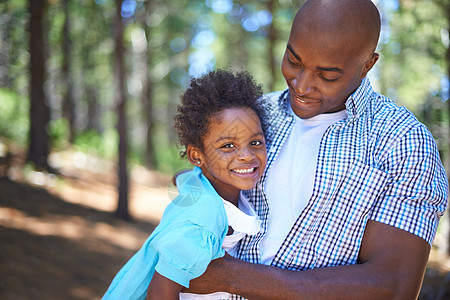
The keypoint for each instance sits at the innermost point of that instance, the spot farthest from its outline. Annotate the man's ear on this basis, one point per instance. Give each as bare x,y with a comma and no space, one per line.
369,64
194,155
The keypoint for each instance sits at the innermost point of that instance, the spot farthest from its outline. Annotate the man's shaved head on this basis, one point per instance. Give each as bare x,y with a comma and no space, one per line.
341,21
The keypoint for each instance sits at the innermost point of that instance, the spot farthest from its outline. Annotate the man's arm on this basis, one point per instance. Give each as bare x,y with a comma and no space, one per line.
163,288
392,265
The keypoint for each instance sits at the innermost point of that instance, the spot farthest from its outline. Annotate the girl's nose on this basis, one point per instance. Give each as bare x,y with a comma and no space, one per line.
246,154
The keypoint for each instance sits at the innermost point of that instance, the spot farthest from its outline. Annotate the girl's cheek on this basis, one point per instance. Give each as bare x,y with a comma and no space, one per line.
222,155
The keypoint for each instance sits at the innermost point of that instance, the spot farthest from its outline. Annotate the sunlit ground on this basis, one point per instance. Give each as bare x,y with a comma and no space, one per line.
59,239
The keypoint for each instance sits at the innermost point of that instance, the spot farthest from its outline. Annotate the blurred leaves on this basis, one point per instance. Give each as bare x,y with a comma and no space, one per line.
184,38
413,63
14,123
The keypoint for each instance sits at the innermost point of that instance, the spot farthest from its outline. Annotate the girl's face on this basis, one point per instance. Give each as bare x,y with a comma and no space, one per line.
234,155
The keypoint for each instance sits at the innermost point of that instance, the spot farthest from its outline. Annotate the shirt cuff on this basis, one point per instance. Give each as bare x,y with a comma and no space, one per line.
174,273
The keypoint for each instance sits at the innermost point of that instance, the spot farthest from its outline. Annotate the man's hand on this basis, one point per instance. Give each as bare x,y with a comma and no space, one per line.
163,288
391,265
215,279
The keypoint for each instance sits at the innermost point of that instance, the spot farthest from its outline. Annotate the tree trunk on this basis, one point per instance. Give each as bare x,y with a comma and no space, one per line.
39,111
93,109
272,36
446,6
170,111
68,101
90,91
147,95
5,53
122,206
89,84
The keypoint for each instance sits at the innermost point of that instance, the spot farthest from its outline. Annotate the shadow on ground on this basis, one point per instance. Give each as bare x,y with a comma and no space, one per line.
52,249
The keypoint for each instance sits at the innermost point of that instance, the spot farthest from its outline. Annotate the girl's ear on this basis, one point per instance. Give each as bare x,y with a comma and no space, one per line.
194,155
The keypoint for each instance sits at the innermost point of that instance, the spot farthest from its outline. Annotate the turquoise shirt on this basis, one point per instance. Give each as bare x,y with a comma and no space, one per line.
180,248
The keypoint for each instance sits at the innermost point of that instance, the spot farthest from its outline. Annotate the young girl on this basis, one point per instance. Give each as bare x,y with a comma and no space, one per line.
221,125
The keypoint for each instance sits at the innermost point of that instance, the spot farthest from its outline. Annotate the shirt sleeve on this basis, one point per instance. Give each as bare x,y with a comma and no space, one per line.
186,251
416,193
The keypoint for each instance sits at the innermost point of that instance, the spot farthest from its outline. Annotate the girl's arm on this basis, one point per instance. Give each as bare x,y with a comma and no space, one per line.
161,287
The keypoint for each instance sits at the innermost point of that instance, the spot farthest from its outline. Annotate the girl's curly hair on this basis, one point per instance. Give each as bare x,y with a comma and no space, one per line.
208,95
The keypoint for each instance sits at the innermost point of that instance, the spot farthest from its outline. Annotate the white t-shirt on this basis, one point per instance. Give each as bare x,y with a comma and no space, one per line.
290,182
243,220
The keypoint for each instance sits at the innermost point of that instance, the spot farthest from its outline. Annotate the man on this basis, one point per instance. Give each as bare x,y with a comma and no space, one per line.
354,187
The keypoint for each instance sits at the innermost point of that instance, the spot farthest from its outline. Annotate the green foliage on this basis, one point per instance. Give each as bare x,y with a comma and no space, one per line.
59,133
100,145
169,160
14,55
410,70
14,121
413,61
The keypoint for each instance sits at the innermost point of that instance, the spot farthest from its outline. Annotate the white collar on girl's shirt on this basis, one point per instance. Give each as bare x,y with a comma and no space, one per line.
244,218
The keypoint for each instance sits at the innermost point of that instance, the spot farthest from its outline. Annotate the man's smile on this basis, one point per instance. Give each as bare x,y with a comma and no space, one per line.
302,98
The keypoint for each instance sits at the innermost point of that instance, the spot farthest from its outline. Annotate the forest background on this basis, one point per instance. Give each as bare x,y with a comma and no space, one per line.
103,78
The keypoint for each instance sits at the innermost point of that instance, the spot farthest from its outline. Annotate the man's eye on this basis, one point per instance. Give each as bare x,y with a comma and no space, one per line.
328,79
294,61
256,143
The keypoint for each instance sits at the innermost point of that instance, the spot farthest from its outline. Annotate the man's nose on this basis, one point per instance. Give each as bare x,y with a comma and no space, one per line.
303,82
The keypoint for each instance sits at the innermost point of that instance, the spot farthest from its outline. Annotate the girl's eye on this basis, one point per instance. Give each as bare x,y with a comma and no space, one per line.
227,146
256,143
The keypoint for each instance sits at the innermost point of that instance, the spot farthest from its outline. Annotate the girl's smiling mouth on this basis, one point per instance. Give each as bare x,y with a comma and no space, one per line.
244,171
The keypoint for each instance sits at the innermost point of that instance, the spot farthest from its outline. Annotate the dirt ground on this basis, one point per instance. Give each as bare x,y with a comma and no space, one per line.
60,240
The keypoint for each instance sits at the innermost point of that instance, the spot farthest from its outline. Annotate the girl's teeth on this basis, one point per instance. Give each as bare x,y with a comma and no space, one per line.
244,171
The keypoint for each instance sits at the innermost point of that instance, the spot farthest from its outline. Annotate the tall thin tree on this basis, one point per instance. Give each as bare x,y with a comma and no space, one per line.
120,77
39,111
446,7
68,99
5,32
147,92
272,36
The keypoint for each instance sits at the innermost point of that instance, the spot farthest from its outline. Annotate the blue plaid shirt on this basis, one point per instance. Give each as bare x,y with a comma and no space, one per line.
377,164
